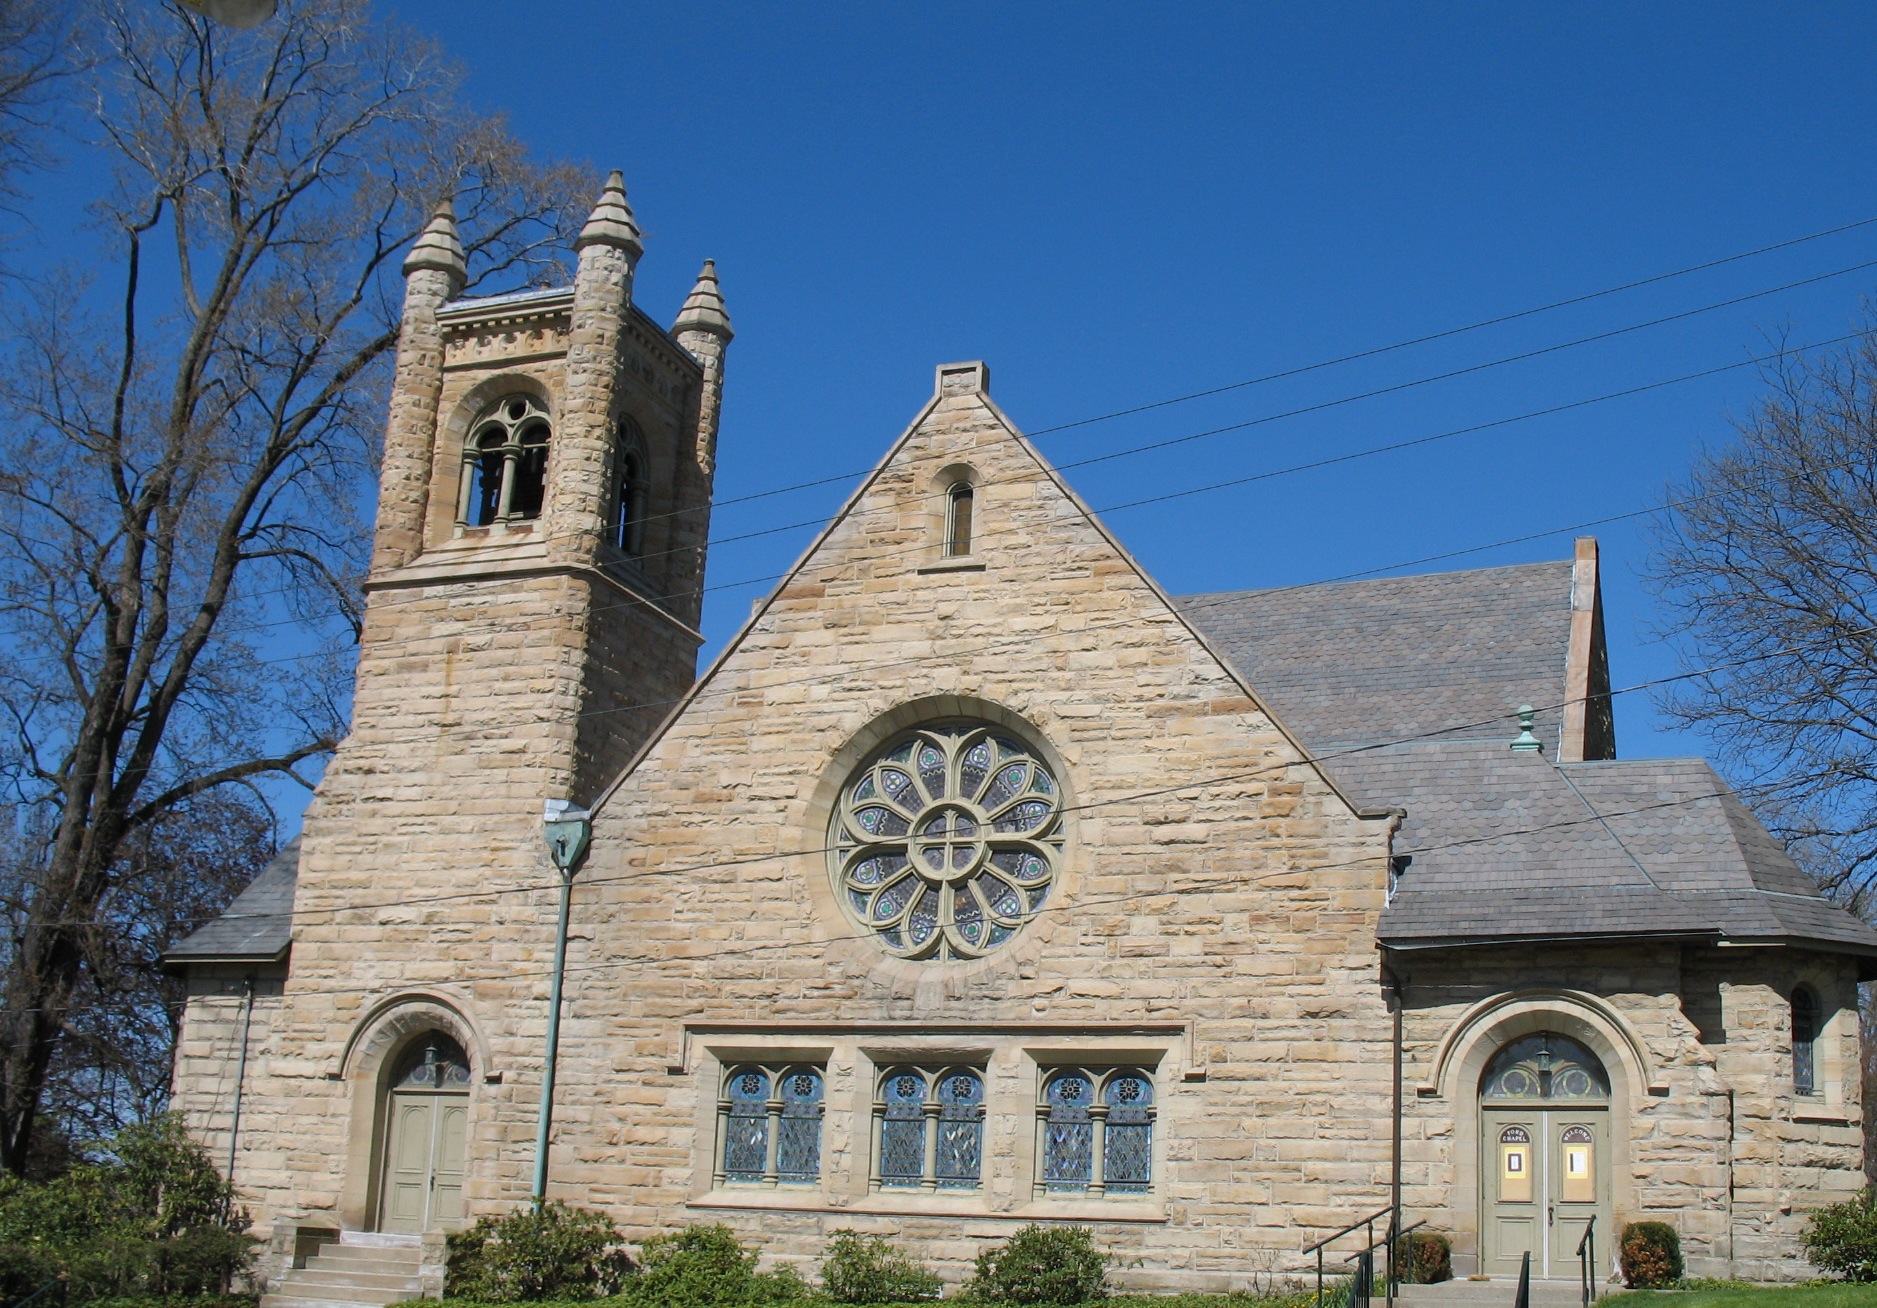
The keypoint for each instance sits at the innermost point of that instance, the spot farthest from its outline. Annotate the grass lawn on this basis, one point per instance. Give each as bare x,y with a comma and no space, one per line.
1784,1296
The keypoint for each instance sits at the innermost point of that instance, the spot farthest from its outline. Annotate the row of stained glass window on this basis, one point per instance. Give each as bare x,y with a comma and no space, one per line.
1095,1128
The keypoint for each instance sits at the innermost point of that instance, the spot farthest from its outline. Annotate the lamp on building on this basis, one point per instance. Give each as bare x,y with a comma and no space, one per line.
569,831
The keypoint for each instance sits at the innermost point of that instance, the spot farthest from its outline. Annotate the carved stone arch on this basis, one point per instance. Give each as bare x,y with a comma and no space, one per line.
1465,1049
393,1021
454,429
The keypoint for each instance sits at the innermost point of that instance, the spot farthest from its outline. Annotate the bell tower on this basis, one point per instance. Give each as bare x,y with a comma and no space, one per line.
539,558
531,615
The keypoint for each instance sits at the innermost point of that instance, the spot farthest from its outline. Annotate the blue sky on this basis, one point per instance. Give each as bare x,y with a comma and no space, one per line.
1114,205
1118,204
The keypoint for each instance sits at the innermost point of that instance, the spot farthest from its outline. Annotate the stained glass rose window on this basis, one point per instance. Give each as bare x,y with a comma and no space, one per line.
946,841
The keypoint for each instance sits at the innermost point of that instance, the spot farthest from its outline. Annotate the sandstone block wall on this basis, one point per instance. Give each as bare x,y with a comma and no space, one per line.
1708,1136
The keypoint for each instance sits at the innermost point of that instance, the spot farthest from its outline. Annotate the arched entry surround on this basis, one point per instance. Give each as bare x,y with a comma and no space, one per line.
366,1067
1460,1062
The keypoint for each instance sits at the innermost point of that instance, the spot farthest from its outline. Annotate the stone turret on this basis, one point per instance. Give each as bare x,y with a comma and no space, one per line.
433,274
703,328
581,473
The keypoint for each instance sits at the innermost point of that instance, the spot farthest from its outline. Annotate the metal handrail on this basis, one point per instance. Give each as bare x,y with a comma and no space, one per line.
1524,1297
1586,1264
1370,1220
1318,1250
1365,1273
57,1282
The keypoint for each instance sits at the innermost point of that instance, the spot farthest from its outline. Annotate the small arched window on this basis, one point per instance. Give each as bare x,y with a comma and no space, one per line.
505,464
629,496
958,520
1805,1015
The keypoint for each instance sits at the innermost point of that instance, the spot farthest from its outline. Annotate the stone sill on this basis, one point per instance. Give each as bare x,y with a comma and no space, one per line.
1823,1114
964,1206
952,565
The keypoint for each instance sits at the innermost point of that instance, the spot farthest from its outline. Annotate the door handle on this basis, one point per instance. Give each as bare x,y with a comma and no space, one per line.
1551,1213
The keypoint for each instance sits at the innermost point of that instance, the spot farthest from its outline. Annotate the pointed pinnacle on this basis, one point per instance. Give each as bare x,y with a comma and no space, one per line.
611,221
437,247
703,309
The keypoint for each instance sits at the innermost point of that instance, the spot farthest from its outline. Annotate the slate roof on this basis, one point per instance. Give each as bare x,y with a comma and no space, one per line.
1405,689
257,926
1356,661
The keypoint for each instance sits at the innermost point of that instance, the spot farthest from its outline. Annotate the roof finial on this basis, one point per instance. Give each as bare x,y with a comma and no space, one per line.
1527,743
703,309
438,247
611,220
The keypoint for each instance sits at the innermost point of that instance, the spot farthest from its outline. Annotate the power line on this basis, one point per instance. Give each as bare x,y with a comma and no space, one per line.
1352,456
1336,402
1306,759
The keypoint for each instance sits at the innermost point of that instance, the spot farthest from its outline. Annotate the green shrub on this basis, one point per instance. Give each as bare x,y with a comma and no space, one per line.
1650,1255
1424,1258
868,1269
145,1216
1842,1238
1042,1265
526,1256
702,1266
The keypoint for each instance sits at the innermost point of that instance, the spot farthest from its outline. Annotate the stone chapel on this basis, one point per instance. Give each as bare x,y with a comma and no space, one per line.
979,881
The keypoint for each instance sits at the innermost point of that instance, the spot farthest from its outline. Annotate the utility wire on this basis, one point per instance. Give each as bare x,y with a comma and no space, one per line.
1437,734
923,547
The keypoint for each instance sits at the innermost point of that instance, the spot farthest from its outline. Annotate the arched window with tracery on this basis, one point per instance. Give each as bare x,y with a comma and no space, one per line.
769,1125
1805,1024
1095,1132
929,1128
629,495
505,464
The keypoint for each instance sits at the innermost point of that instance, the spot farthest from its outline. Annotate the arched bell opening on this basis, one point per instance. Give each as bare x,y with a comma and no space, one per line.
1545,1154
424,1134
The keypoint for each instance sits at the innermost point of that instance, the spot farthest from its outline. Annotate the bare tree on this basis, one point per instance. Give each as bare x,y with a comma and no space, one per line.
1768,567
187,459
35,56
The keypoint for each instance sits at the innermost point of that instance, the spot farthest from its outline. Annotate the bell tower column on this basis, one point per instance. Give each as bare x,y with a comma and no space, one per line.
433,274
580,472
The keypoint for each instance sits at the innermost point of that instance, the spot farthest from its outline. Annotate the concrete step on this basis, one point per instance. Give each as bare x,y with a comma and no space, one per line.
394,1280
327,1295
1499,1292
379,1240
367,1259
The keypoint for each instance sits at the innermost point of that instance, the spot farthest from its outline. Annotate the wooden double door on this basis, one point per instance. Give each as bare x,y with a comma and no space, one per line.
1546,1173
426,1141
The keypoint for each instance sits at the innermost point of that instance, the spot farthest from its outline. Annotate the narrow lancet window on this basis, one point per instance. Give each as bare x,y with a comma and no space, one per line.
1804,1042
505,464
629,496
958,520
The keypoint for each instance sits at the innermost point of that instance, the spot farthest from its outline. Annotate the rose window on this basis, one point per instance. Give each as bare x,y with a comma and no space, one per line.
946,841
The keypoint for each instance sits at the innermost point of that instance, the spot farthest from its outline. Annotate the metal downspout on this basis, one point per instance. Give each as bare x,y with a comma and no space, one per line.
545,1126
241,1076
1397,1002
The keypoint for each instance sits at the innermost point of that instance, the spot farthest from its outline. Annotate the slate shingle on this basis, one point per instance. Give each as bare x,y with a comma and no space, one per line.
257,925
1406,689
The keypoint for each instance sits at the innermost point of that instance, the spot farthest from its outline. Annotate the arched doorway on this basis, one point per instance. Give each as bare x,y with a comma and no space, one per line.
1544,1167
426,1117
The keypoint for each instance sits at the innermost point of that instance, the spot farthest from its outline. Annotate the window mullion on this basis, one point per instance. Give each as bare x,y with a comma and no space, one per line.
930,1110
772,1177
511,459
